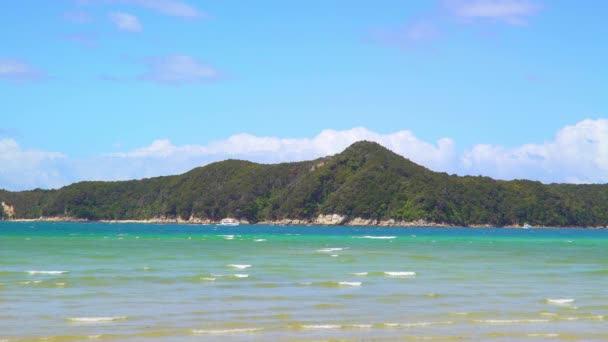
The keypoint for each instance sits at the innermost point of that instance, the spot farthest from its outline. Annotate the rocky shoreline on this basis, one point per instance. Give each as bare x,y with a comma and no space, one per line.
321,220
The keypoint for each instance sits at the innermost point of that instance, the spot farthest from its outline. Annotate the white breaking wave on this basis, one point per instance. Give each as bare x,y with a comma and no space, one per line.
335,255
239,266
228,237
46,272
416,324
360,273
543,335
510,321
399,274
376,237
96,319
260,240
321,326
349,283
326,250
208,279
226,331
560,301
241,275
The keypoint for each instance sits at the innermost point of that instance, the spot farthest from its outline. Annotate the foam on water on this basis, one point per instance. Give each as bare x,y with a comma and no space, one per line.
241,275
332,249
416,324
399,274
349,283
46,272
239,266
376,237
510,321
560,301
260,240
225,331
96,319
360,273
321,326
551,335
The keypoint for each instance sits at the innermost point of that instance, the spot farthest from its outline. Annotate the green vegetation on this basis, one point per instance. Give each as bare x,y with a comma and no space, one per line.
366,180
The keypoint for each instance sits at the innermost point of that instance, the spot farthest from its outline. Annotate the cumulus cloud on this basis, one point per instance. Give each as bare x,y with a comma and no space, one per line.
178,70
126,22
17,70
273,149
166,7
514,12
577,154
28,169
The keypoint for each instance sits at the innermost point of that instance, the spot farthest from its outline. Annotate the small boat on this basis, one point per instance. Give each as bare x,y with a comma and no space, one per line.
526,226
229,222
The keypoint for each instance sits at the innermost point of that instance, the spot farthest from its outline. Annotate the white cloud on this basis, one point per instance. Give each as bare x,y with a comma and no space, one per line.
577,154
508,11
179,70
126,22
28,169
12,69
272,149
166,7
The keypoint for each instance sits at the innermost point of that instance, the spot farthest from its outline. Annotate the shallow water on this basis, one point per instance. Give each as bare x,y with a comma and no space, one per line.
82,281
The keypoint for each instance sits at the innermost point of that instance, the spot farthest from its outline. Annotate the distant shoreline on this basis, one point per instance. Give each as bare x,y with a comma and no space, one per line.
322,220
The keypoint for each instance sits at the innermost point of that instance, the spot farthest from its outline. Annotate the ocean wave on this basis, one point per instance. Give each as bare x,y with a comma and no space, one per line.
416,324
321,326
46,272
349,283
332,249
510,321
260,240
97,319
375,237
225,331
241,275
560,301
228,237
399,274
239,266
30,282
360,273
543,335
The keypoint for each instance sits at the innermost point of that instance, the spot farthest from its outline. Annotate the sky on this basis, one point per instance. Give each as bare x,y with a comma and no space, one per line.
124,89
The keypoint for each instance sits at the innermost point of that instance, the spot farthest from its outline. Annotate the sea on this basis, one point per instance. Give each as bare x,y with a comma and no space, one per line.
146,282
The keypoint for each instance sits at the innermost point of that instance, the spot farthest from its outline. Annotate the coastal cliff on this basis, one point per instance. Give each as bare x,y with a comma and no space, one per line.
366,184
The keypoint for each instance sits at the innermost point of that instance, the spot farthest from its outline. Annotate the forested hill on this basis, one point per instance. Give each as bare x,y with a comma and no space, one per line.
365,181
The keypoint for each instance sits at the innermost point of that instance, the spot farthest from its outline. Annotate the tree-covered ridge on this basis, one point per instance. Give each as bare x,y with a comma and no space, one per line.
365,181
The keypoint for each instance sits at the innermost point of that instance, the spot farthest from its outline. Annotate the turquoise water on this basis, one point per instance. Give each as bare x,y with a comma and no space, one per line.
77,282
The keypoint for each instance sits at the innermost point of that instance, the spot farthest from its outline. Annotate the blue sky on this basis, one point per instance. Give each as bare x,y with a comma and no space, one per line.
506,83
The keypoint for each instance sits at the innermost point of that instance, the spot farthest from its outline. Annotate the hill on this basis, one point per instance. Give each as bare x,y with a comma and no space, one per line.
365,183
